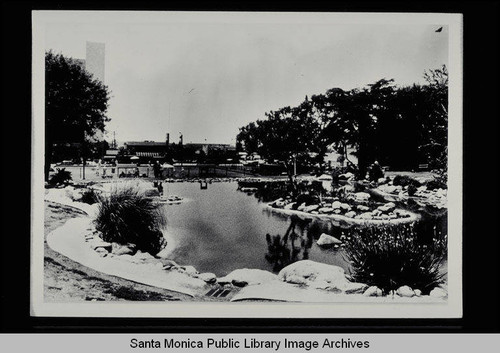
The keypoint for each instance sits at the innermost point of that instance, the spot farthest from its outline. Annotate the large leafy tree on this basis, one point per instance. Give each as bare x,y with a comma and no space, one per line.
75,104
288,136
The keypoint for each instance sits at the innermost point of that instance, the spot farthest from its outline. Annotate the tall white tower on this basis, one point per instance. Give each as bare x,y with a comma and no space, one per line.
94,61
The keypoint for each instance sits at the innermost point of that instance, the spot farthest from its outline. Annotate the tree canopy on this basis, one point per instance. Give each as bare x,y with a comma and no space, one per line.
75,103
398,126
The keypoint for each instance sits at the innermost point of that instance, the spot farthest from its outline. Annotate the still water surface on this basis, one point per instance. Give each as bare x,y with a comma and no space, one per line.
221,229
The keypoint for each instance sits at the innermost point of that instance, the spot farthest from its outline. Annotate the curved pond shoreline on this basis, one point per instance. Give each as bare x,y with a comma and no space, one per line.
69,240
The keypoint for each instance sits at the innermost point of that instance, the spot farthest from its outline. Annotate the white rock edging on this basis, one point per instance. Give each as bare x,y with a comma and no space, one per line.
69,240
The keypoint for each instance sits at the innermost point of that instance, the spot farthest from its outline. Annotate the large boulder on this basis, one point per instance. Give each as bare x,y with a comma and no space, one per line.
327,240
190,270
438,293
373,291
208,277
405,291
249,276
314,274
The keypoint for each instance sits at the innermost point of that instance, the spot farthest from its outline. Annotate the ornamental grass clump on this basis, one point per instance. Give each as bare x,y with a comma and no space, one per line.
393,256
127,216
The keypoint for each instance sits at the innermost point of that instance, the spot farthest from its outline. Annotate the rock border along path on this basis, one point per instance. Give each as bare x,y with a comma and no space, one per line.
350,221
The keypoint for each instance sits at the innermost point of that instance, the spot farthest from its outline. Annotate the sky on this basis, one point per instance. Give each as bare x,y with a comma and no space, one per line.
206,76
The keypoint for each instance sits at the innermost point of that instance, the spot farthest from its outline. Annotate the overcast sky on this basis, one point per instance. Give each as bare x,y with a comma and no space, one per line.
206,77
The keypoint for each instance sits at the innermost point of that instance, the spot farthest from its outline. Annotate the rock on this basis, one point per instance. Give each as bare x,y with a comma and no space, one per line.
375,212
119,249
325,240
168,264
373,291
348,176
311,208
362,196
190,270
345,207
353,288
279,204
337,211
390,205
362,208
366,215
438,292
208,277
289,206
301,207
139,255
250,276
98,243
101,250
313,274
239,283
350,214
151,192
381,180
336,204
417,292
405,291
325,210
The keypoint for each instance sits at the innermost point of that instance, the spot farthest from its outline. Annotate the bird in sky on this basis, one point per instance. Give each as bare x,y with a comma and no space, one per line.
192,89
439,29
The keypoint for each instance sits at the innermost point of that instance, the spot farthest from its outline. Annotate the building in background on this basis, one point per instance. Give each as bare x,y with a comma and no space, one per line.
94,61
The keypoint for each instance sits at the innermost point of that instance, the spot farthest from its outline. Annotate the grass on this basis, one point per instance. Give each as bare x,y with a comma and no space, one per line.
392,256
127,216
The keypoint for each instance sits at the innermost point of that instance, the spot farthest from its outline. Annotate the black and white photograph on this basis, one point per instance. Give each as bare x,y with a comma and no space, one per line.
239,164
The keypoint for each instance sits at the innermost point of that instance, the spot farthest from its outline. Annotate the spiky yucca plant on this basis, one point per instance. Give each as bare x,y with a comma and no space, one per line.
127,216
392,256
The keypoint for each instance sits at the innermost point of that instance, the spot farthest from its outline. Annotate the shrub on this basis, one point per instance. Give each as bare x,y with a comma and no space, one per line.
127,216
89,196
405,180
392,256
412,189
439,182
62,177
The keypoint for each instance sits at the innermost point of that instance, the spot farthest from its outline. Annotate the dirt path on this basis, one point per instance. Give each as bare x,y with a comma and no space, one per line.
68,281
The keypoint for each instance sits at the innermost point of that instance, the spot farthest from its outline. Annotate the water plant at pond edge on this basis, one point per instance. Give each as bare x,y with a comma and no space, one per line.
127,216
89,196
393,256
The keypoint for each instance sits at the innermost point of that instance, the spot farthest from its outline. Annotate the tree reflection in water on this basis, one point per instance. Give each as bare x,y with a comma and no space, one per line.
294,245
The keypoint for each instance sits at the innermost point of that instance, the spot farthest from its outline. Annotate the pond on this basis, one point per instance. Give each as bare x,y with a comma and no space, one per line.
221,229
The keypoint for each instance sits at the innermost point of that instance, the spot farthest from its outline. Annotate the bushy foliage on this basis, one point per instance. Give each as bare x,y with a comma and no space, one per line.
62,177
89,196
439,182
393,256
405,180
412,189
127,216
